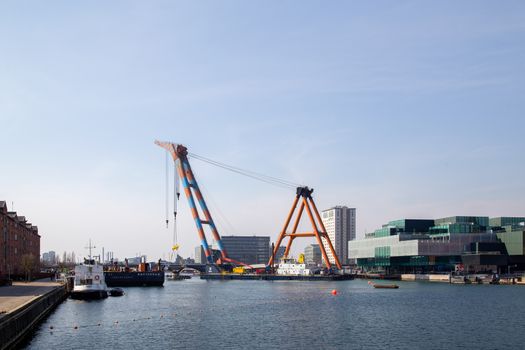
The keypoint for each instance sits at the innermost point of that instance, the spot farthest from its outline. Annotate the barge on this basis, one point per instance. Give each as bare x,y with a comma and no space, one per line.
134,278
275,277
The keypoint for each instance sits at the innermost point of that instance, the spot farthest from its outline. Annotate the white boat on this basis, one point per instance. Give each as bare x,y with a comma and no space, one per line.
170,275
189,272
89,281
288,266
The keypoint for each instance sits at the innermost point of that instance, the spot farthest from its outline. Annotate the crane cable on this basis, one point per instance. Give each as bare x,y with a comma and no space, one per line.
175,245
251,174
176,195
167,191
254,175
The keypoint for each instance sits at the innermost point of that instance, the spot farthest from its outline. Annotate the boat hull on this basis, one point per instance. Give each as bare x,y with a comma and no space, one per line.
116,292
89,294
134,279
265,277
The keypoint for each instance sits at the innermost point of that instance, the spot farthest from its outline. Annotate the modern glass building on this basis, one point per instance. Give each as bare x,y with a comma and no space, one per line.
511,231
247,249
415,245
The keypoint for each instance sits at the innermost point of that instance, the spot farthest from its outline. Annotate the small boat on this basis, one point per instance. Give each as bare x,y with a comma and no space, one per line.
172,276
388,286
116,292
188,272
385,286
89,281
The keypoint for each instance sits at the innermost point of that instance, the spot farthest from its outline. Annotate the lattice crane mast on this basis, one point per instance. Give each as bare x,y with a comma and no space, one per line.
179,153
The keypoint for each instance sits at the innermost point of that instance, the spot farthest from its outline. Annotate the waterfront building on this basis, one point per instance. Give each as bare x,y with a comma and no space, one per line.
511,231
312,254
200,256
49,258
340,224
414,245
280,253
19,244
247,249
136,260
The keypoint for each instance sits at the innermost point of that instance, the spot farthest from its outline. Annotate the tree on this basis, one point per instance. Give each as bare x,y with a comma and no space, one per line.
28,264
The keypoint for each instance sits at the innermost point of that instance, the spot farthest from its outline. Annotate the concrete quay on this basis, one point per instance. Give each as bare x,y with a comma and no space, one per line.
23,305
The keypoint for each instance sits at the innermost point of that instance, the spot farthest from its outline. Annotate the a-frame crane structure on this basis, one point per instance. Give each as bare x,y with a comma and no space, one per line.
183,169
304,195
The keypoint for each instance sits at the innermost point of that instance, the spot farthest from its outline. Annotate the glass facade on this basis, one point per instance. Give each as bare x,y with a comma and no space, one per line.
247,249
514,241
382,252
506,221
429,245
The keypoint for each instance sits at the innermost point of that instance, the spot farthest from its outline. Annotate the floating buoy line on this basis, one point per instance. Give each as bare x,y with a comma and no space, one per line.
105,324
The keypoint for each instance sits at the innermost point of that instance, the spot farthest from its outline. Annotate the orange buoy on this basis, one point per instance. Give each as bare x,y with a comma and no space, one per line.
334,292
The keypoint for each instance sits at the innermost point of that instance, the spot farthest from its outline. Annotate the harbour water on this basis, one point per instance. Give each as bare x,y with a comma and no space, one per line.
197,314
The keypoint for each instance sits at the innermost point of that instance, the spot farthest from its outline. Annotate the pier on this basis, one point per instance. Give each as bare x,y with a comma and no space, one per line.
23,305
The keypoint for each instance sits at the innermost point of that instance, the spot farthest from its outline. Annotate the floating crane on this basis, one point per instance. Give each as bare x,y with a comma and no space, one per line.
304,194
179,154
184,173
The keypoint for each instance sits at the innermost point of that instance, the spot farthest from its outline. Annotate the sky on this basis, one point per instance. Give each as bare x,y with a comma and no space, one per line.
405,109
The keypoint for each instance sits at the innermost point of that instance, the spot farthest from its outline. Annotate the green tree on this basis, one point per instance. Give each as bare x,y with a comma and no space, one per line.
28,264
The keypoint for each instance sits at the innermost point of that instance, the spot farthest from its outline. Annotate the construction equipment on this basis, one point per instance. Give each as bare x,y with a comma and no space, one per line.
184,172
319,231
179,154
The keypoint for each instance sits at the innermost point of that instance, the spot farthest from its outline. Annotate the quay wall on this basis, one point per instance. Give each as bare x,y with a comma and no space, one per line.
17,325
425,277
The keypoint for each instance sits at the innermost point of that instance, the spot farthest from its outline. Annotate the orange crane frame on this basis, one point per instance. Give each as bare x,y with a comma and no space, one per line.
319,230
179,154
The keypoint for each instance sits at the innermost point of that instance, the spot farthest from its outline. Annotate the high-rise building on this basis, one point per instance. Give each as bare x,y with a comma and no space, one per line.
200,257
340,224
49,258
279,254
247,249
312,254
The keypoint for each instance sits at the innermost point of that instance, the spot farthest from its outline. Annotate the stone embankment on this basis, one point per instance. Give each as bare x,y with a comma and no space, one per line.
23,306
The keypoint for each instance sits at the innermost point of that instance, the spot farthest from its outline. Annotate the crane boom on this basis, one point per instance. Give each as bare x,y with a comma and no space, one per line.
179,154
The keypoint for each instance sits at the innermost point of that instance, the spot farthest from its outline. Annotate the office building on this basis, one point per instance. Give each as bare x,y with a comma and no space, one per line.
280,253
414,245
200,257
247,249
49,258
340,224
312,254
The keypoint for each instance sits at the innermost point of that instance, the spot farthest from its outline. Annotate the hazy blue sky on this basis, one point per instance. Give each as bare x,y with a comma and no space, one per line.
407,109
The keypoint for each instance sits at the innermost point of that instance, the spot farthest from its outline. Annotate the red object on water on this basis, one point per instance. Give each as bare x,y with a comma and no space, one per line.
334,292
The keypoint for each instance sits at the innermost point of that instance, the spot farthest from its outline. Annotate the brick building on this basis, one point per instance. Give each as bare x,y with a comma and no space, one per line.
19,239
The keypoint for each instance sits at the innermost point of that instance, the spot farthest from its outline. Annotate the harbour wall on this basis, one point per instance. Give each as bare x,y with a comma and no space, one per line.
425,277
18,324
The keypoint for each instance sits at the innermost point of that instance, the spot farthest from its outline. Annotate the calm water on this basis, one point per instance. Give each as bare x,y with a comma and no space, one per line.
195,314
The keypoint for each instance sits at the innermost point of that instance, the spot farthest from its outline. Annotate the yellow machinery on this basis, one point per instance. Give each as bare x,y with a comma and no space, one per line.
238,269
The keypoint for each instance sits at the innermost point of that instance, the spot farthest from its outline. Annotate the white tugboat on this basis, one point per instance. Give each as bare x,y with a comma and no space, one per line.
89,280
291,267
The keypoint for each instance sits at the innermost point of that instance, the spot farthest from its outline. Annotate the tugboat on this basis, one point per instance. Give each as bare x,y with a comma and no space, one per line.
89,280
289,266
